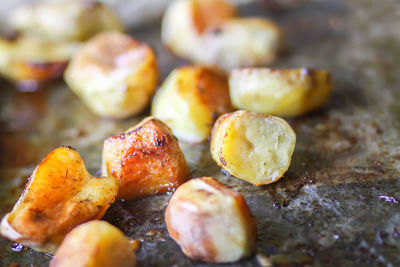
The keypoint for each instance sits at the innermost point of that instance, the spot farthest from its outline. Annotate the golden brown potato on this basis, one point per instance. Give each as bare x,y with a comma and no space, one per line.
75,20
146,160
252,146
185,20
95,244
190,100
60,194
211,222
207,32
32,59
280,92
114,75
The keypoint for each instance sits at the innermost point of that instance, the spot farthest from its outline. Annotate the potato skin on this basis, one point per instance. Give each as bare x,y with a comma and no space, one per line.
190,100
211,222
114,75
65,21
60,194
224,142
94,244
146,160
280,92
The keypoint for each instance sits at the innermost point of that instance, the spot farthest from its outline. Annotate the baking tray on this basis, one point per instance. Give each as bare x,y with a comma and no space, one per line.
338,204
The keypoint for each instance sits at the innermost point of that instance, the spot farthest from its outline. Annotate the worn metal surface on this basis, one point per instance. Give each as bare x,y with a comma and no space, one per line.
339,202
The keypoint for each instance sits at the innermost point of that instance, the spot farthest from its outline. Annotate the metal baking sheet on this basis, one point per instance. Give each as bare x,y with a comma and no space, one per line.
338,205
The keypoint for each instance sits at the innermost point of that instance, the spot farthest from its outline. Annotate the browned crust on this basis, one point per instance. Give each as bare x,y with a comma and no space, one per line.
146,160
208,14
46,211
213,90
210,86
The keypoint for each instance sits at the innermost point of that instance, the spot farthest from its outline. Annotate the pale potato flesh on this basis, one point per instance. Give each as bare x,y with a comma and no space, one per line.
114,74
146,160
280,92
190,100
211,222
73,20
254,147
29,58
95,244
59,195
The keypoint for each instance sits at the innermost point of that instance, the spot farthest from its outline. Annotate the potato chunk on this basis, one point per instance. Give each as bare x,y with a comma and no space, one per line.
252,146
207,32
190,100
60,194
280,92
185,20
95,244
240,42
32,59
114,74
146,160
65,21
211,222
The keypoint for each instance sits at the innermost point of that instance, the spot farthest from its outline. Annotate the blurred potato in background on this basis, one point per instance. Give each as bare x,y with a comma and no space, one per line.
210,32
33,60
64,21
114,75
136,13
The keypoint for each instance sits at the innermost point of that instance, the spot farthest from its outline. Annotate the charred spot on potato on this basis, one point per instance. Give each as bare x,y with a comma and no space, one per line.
160,141
37,215
223,161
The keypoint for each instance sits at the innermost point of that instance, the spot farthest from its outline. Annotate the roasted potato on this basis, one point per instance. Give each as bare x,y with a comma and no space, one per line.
114,75
280,92
240,42
252,146
211,222
74,20
207,32
95,244
190,100
146,160
185,20
32,59
60,195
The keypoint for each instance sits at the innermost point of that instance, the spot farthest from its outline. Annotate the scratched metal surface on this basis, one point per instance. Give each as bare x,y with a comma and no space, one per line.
339,202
